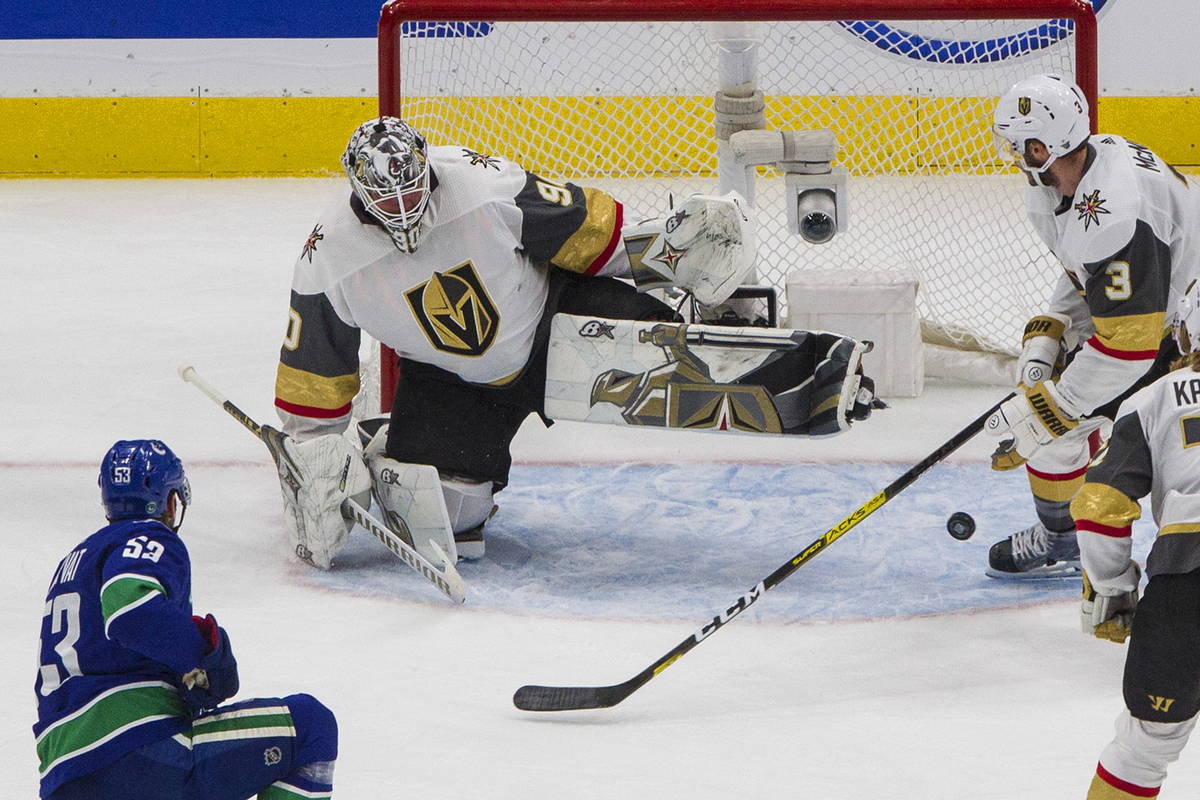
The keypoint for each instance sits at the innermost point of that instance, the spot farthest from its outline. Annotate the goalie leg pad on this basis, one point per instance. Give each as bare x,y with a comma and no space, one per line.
317,475
414,506
705,377
468,503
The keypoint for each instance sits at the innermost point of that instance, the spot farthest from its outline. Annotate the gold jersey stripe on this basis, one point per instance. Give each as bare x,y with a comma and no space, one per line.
593,237
1104,505
1179,527
1134,333
297,387
1055,491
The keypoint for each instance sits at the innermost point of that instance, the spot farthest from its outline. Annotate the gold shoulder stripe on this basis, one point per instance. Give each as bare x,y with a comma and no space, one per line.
1137,332
1104,505
579,252
300,388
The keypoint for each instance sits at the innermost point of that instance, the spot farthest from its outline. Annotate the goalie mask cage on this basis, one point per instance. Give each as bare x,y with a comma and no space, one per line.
619,94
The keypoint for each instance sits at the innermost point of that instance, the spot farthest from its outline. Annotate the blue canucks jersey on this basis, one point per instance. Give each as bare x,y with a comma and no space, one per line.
116,637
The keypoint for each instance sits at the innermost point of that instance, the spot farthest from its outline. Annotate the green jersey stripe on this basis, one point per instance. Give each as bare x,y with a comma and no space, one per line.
285,791
106,717
125,592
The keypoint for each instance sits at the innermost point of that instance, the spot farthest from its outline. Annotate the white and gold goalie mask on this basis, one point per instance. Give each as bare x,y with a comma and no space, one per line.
387,166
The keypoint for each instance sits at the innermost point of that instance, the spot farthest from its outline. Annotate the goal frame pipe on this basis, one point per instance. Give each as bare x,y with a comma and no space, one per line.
393,14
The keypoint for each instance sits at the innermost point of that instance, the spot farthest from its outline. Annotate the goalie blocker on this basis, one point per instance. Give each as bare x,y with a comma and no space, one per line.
705,377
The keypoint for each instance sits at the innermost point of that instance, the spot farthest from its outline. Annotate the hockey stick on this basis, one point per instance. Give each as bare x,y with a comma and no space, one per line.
448,581
572,698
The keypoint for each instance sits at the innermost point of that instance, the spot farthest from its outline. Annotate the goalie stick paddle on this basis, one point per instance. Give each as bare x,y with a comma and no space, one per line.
574,698
447,580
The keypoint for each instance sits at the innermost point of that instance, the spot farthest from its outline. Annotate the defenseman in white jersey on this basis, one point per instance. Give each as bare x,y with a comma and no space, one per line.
458,261
1153,451
1126,228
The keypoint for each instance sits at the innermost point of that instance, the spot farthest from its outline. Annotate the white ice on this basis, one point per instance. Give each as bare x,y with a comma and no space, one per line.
887,667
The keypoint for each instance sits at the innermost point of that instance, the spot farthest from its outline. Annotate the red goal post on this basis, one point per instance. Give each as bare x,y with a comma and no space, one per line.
397,72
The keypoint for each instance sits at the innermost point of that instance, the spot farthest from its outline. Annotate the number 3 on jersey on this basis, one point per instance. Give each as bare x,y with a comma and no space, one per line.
1119,287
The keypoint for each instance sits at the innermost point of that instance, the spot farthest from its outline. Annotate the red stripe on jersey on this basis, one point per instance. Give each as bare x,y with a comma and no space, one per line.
312,411
1056,476
604,256
1103,530
1124,355
1126,786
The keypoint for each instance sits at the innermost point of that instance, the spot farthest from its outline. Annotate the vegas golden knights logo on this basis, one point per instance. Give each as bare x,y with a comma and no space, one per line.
455,311
1024,105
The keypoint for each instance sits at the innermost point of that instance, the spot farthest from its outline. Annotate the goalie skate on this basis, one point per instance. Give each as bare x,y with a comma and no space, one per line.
1035,553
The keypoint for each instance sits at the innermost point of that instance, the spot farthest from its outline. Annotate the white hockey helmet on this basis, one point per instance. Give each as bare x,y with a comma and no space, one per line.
1187,319
386,161
1048,108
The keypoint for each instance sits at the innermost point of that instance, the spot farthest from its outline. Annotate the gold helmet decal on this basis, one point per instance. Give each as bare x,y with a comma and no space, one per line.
455,311
1024,105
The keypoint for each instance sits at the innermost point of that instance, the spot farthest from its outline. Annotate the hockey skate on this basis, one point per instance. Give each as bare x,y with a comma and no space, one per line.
1035,553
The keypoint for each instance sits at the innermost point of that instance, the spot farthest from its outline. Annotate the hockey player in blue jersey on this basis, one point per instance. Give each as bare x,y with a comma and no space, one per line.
130,683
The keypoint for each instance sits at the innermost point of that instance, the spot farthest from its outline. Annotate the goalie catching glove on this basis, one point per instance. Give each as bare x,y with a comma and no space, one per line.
316,476
1032,418
706,246
1110,616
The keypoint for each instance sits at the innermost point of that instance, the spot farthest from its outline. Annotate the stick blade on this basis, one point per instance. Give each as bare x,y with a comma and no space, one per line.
569,698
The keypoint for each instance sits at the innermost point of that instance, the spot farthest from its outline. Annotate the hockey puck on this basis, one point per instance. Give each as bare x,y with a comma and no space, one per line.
961,526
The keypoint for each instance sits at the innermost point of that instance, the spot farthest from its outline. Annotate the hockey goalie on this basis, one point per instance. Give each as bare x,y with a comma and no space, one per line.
505,294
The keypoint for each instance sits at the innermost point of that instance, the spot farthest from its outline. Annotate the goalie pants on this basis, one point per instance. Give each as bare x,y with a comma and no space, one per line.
275,748
1056,471
465,429
1161,687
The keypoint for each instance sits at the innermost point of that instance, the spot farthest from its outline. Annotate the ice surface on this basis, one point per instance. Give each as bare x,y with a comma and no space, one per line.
887,667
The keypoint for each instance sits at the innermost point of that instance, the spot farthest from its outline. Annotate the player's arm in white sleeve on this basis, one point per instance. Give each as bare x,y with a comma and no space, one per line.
1104,510
1127,299
317,377
1107,504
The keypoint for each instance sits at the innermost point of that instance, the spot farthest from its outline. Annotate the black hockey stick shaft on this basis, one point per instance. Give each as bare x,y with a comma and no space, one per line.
571,698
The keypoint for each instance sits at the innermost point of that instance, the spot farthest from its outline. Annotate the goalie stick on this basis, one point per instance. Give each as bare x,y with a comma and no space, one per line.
574,698
448,581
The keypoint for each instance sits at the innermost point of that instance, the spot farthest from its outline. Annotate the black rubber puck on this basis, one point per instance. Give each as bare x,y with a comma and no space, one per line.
961,526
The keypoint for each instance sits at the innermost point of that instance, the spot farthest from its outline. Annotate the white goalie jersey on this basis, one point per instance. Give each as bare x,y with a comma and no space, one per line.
469,299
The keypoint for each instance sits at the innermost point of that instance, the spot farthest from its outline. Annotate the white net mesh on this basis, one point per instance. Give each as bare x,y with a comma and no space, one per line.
628,107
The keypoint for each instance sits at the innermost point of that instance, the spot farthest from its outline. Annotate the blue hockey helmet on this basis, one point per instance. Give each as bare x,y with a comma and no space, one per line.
137,478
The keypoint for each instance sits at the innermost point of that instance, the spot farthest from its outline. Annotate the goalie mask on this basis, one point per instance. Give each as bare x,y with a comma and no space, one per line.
1048,108
137,479
1187,320
387,166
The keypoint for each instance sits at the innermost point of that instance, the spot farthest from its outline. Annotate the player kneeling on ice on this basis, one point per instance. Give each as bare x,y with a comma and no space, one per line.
130,682
1125,226
499,290
1153,452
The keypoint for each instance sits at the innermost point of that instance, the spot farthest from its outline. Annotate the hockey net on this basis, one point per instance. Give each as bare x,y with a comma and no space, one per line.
623,100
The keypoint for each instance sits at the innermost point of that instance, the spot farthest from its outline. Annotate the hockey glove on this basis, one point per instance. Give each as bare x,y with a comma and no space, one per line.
1033,418
1042,349
215,678
1110,617
316,476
